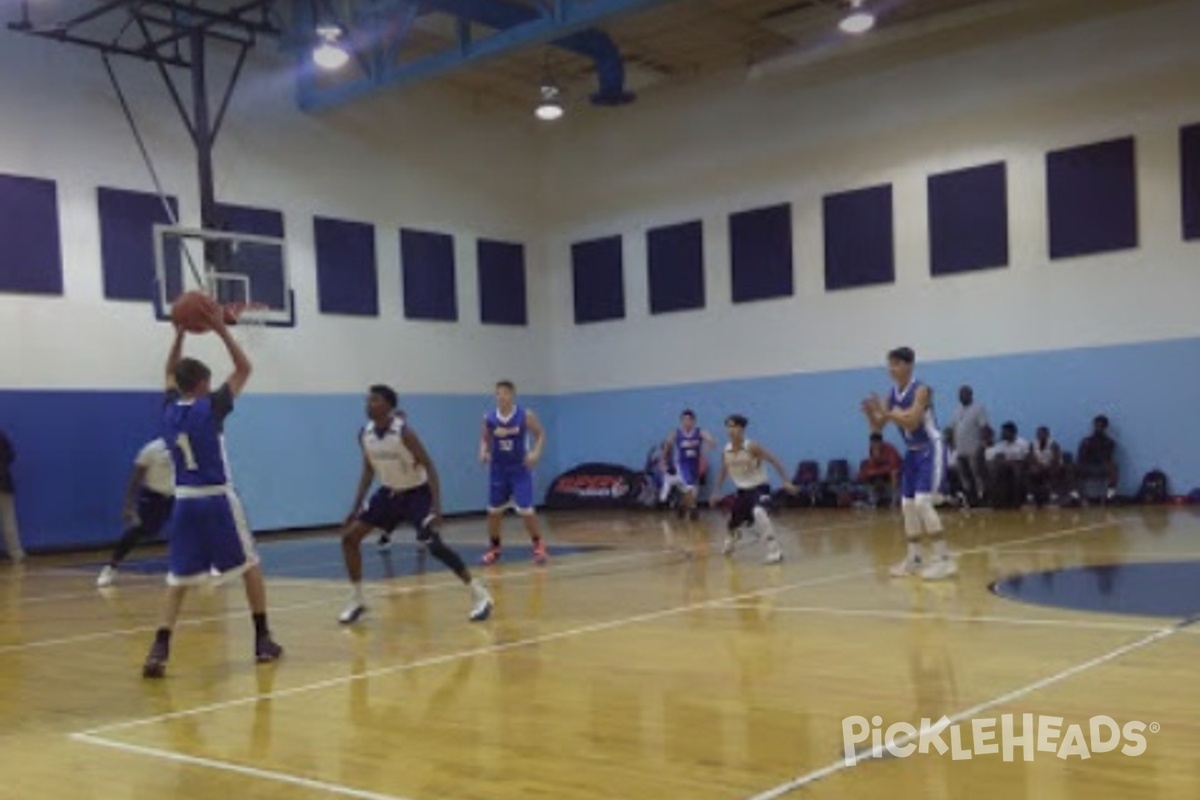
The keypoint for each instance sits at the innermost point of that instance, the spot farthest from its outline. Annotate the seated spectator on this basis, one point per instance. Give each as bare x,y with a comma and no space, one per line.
969,425
8,509
1097,459
1047,474
880,472
1006,463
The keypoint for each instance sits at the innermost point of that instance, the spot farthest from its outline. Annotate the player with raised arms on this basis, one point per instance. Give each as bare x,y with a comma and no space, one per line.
209,531
683,452
409,490
742,460
910,408
505,447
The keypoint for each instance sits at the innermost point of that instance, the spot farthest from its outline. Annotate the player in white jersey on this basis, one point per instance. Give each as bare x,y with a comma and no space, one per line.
148,502
742,460
409,491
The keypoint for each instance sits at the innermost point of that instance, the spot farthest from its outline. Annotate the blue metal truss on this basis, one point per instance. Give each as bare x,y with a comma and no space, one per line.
378,30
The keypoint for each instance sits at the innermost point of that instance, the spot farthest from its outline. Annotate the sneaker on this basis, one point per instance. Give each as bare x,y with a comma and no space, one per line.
482,608
940,569
155,665
774,555
384,543
909,566
266,650
539,553
731,542
1111,494
491,556
108,576
352,613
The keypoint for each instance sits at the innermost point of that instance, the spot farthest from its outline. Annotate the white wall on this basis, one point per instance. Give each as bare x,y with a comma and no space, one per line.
416,159
731,144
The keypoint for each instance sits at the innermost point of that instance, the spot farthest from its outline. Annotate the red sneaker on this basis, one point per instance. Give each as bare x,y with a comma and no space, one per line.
491,556
539,553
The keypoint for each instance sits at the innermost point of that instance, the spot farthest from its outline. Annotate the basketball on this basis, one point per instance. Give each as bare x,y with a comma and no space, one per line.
191,311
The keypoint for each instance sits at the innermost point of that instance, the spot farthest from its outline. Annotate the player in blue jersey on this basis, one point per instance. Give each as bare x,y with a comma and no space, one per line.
505,445
910,407
209,531
683,452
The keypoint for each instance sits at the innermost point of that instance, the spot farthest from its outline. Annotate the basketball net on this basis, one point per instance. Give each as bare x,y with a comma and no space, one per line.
248,320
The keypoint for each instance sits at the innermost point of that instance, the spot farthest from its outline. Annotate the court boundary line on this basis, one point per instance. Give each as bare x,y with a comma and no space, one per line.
590,628
378,590
870,754
90,736
458,655
883,613
232,766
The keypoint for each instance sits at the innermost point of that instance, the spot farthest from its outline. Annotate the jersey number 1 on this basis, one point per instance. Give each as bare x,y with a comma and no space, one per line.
189,456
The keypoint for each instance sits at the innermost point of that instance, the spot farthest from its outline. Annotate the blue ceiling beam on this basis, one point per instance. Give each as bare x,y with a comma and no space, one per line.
566,23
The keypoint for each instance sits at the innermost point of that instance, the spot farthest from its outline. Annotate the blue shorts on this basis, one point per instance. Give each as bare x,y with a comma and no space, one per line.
208,533
689,474
923,471
153,510
388,508
510,483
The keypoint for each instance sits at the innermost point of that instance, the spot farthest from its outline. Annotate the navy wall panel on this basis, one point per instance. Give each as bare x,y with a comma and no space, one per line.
1189,156
127,220
760,253
501,275
1092,198
347,280
859,238
675,265
597,268
968,219
427,265
31,254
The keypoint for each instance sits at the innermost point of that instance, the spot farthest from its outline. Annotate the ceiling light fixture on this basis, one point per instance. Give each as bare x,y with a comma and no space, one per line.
858,21
549,108
330,54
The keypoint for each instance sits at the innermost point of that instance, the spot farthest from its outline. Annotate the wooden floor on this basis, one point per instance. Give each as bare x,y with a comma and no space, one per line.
628,672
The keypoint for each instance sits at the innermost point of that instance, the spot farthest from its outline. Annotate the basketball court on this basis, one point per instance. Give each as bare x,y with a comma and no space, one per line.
625,670
733,220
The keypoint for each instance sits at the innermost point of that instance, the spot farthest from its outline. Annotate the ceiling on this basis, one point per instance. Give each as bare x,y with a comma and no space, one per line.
679,41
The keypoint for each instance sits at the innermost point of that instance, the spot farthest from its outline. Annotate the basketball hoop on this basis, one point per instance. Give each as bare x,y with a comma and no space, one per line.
240,313
250,319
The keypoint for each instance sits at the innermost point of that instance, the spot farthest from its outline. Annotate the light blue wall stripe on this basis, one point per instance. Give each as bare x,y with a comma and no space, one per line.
295,459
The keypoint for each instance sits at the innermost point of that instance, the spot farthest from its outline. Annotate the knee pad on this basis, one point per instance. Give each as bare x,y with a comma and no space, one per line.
912,518
930,521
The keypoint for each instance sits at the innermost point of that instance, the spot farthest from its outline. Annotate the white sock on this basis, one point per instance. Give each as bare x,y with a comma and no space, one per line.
914,550
356,592
939,548
763,523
